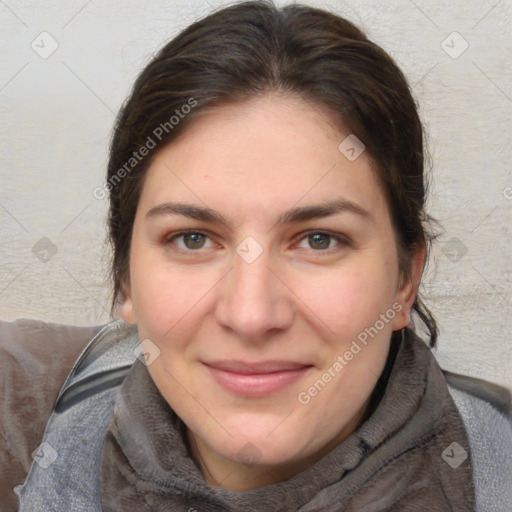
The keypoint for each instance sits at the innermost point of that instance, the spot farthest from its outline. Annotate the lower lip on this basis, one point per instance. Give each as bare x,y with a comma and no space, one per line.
256,385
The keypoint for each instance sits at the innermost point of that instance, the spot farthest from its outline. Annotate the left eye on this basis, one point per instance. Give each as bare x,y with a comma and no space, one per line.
320,241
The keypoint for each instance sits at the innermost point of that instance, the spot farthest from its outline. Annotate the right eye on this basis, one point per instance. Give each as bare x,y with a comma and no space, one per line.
188,241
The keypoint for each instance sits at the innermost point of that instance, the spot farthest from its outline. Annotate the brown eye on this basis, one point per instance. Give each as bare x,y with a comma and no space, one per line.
193,240
319,240
322,242
187,241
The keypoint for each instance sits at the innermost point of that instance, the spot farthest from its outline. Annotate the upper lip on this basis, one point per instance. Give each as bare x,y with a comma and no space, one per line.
259,367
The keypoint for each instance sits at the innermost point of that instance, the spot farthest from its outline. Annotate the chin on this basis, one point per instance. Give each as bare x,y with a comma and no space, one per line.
259,448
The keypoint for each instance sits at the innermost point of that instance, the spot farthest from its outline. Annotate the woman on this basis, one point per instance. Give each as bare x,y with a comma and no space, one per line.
267,221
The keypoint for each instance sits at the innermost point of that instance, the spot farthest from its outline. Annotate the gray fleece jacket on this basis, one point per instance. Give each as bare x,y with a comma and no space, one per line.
113,443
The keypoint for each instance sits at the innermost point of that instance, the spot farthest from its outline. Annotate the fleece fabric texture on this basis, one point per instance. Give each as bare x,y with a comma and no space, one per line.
490,435
392,462
35,359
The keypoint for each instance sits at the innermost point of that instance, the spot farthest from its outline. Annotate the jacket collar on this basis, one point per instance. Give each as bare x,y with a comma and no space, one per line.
146,460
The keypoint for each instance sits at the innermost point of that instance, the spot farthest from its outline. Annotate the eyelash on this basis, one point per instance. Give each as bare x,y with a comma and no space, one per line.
342,240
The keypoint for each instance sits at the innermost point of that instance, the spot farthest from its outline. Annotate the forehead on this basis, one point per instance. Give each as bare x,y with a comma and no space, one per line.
258,158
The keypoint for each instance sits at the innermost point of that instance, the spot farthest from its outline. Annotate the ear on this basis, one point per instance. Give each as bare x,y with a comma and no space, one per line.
406,295
127,309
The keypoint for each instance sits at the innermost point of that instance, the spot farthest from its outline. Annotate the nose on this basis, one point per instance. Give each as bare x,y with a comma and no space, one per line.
254,301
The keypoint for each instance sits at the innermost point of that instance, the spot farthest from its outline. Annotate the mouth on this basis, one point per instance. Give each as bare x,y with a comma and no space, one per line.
256,379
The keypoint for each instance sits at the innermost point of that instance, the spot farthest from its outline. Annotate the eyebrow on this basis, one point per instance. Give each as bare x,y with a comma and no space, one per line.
297,214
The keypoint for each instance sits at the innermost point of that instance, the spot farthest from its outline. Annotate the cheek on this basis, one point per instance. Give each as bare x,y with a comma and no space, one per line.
348,300
167,298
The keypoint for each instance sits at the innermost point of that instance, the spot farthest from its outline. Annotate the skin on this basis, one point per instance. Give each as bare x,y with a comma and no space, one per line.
251,162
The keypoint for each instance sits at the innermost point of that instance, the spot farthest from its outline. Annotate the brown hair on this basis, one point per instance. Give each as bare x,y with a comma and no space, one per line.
253,48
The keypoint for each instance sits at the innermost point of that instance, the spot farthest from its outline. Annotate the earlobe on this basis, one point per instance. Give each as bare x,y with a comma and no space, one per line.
127,312
408,292
127,309
401,319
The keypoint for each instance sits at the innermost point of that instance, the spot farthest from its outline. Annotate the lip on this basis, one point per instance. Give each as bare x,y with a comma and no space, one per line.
256,379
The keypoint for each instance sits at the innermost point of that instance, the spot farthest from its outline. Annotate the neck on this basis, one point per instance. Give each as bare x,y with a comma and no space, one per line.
235,476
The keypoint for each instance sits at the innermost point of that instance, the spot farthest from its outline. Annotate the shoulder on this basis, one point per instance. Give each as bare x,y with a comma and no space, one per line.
103,364
497,396
486,412
35,359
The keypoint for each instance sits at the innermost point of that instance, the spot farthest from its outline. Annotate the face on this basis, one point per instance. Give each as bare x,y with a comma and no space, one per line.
263,270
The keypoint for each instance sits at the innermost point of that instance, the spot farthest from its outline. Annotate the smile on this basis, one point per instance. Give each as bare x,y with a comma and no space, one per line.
256,379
